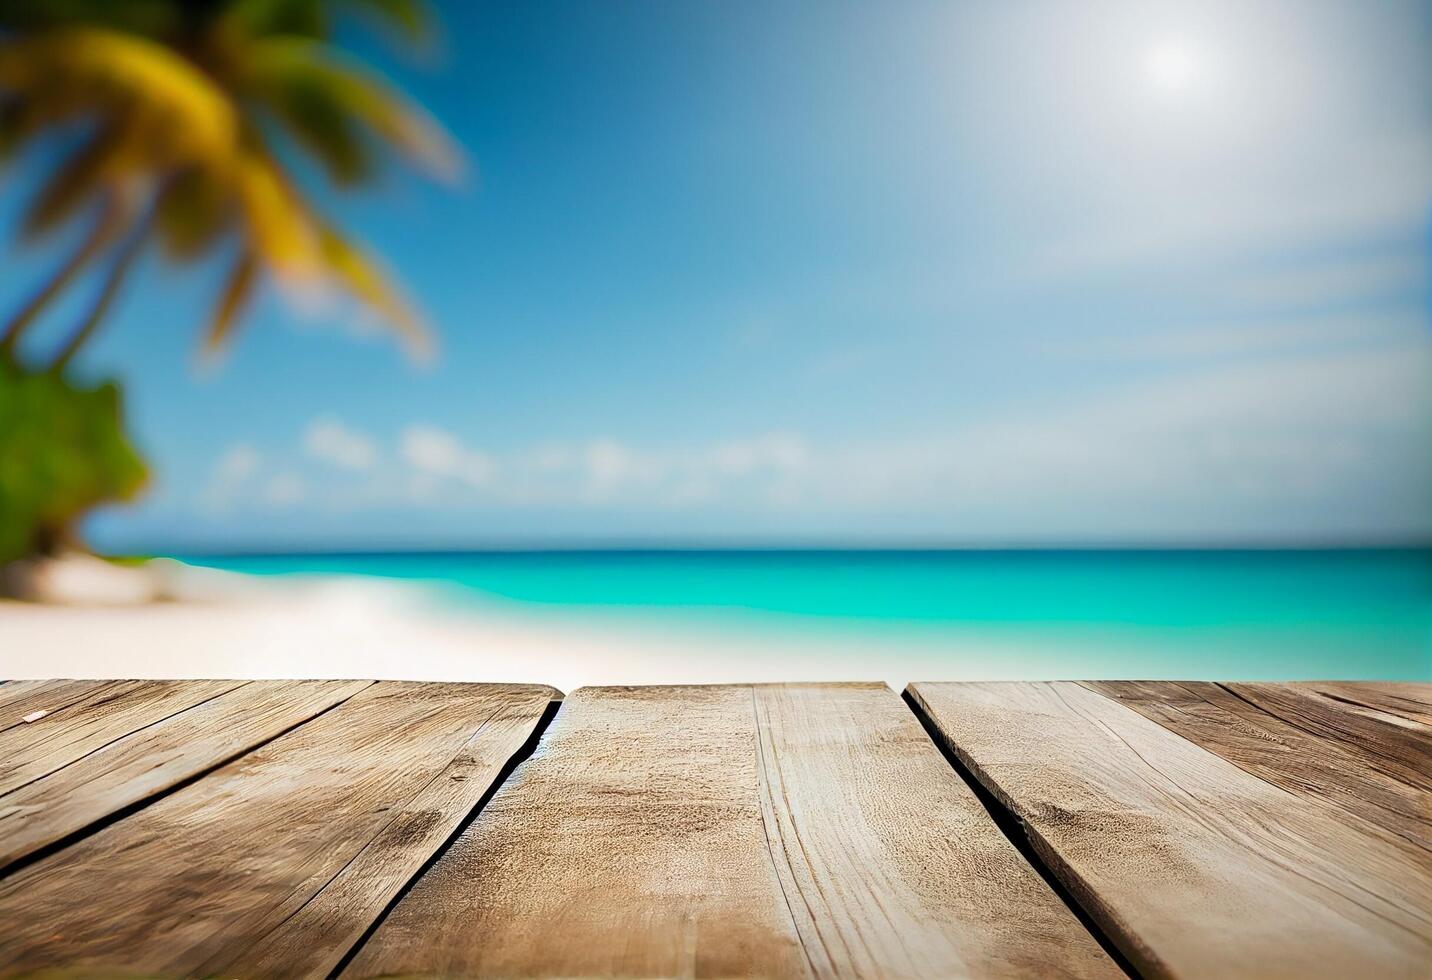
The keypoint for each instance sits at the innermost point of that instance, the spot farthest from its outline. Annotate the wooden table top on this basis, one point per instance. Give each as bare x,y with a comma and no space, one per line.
365,829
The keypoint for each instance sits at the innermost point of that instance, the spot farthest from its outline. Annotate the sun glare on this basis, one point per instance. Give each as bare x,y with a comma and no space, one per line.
1171,66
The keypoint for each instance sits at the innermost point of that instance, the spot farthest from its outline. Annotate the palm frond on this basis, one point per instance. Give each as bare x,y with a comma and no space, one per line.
92,71
360,275
150,17
275,18
74,183
171,100
412,17
309,18
15,128
238,288
318,95
280,73
30,115
276,217
195,209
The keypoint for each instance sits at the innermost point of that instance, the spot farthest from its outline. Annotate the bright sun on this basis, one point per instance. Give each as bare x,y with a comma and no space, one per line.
1172,65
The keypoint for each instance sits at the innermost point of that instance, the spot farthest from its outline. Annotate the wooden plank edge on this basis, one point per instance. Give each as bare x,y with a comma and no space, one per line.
1131,956
1334,792
174,711
39,854
523,753
52,708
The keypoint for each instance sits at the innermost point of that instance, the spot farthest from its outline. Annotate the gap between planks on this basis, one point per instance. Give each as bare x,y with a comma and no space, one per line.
1013,828
1009,826
733,830
334,904
549,714
119,775
1193,863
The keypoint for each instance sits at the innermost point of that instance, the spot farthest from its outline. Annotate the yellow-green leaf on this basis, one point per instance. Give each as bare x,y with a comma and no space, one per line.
111,73
361,276
276,217
237,290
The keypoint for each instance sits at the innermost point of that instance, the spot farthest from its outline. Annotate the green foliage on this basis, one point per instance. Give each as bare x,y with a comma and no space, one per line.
171,106
63,452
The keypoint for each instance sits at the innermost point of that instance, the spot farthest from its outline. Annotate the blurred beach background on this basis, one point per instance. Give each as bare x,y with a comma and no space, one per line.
759,342
681,616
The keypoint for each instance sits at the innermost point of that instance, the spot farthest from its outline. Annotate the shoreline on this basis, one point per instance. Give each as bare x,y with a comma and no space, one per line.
208,623
205,623
224,624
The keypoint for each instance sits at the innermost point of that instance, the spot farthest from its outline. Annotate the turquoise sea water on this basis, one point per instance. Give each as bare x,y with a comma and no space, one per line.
1190,614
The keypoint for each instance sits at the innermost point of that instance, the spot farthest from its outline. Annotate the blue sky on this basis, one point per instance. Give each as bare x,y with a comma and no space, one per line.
971,273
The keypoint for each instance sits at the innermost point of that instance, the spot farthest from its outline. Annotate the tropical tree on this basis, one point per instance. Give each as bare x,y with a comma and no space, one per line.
180,123
179,106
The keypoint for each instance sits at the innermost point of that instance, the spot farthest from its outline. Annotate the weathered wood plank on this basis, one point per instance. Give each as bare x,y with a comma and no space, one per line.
801,830
1193,865
73,727
236,868
1396,743
92,767
39,695
1285,755
1408,699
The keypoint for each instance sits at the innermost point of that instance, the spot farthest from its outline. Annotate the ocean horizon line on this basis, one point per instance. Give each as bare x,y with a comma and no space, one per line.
784,548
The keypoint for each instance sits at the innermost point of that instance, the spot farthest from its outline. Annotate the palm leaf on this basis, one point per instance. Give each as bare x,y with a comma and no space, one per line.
195,209
400,122
74,182
292,74
308,18
25,116
91,71
279,73
151,17
266,18
15,127
362,277
173,95
237,290
276,217
412,17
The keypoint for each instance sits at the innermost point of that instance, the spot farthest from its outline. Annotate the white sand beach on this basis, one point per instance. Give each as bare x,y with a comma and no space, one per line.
218,624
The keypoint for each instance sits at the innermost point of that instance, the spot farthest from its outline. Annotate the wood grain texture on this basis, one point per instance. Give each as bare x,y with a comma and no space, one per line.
801,830
98,716
275,864
1410,700
1287,755
1347,714
202,729
1193,865
43,695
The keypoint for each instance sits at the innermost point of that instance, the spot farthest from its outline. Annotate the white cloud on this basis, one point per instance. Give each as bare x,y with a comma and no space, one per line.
601,471
611,467
238,463
1283,441
434,452
1352,194
1340,280
1305,443
284,490
1243,338
229,475
329,440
